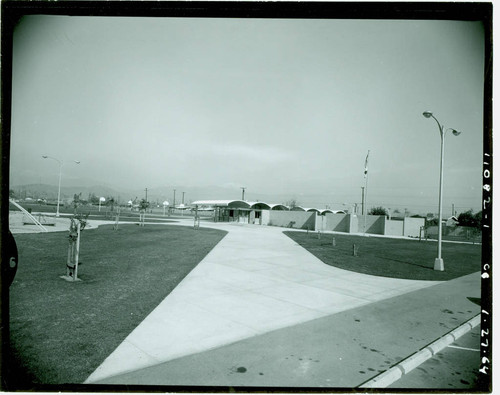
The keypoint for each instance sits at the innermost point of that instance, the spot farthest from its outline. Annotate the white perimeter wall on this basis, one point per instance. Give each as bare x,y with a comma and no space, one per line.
394,228
333,222
412,226
375,224
301,219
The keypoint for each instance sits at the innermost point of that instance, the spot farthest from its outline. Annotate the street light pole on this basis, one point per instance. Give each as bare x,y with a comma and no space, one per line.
438,262
60,174
243,193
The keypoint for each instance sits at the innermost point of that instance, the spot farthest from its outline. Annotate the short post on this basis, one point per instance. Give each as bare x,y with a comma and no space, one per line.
354,250
333,242
196,218
117,219
319,235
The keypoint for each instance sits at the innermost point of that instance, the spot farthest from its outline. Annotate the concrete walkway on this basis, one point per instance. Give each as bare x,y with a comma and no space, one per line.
343,350
256,280
60,224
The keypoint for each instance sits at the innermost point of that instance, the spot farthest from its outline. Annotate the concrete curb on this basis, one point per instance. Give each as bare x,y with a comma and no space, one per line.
390,376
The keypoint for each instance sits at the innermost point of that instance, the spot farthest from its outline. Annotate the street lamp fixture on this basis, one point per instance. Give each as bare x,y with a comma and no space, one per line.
60,173
438,262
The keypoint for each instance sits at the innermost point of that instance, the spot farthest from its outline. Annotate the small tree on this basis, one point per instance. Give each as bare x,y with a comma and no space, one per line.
469,219
432,222
378,211
143,206
76,201
479,219
110,202
93,199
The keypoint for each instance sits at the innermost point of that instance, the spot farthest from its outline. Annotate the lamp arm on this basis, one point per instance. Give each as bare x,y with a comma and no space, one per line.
51,157
441,131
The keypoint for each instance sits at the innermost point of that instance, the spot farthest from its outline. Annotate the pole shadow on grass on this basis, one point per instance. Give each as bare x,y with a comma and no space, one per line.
405,262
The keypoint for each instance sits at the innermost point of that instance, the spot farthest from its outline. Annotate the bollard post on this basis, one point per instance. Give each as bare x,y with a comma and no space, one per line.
117,219
319,235
333,242
354,250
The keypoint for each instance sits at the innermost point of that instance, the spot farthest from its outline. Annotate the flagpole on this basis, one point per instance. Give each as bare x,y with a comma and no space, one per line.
366,207
366,190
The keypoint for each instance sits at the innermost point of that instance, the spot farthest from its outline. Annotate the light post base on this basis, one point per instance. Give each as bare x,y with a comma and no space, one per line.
439,264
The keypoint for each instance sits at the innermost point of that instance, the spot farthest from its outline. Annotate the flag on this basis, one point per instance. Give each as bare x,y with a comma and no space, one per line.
366,163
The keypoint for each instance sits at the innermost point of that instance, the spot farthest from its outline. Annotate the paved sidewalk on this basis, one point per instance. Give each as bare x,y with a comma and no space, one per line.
60,224
342,350
255,281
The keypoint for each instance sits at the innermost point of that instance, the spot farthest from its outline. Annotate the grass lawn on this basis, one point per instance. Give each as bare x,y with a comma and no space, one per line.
386,257
60,331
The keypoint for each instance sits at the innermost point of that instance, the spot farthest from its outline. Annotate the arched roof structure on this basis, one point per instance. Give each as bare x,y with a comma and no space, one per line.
259,205
222,203
311,209
279,207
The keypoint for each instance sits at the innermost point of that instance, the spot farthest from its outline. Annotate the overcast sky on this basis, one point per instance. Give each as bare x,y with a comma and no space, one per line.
278,106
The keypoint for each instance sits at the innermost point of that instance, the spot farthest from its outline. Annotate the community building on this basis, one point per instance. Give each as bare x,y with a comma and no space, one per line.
313,219
237,210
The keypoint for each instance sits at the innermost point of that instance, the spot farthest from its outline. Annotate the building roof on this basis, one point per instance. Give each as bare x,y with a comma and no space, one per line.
222,203
260,205
278,207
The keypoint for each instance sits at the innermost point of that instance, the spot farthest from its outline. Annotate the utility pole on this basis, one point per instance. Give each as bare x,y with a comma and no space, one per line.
243,193
146,194
453,209
174,199
183,197
362,200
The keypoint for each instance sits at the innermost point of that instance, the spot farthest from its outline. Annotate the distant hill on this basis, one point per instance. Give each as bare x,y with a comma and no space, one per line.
156,194
37,191
160,194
